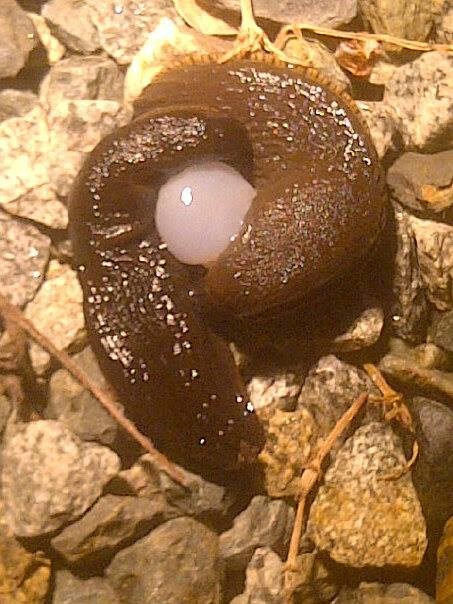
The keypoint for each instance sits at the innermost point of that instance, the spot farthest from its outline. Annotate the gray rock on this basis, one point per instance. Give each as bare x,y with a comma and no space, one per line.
76,127
24,176
377,593
70,21
412,19
17,38
435,258
24,254
15,103
124,26
275,391
50,477
364,331
410,309
198,498
423,182
57,311
329,13
442,331
265,522
420,95
77,408
264,581
382,123
82,78
433,473
110,524
176,563
70,589
366,513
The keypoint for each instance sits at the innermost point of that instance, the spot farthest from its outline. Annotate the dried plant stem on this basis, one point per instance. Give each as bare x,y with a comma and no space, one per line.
14,315
293,30
309,478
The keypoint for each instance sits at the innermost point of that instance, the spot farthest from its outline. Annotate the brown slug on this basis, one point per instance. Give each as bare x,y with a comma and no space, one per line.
241,188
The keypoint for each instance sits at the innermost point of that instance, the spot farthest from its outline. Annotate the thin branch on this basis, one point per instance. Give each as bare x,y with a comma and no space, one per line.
309,478
14,315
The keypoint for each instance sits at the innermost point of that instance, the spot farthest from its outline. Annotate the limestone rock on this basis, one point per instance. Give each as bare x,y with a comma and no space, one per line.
17,38
70,589
70,21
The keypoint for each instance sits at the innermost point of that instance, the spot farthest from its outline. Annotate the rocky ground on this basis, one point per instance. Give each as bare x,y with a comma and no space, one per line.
80,525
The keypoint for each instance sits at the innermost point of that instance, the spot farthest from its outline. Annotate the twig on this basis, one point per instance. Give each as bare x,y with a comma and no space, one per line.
14,315
309,478
293,30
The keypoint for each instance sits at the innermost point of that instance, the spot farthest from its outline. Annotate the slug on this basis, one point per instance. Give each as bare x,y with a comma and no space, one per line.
238,190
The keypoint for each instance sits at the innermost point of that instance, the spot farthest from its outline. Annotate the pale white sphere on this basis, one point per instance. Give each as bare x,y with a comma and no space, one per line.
201,209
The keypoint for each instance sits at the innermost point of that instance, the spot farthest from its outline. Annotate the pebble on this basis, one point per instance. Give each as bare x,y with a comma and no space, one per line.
328,13
382,123
444,578
77,408
265,522
364,331
423,182
70,21
82,78
25,188
17,38
444,32
264,580
70,589
410,306
410,19
175,563
442,331
420,95
272,391
361,517
377,593
111,523
15,103
57,312
50,477
24,254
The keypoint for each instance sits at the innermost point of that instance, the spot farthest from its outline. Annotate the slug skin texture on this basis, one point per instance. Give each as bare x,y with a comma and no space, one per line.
318,211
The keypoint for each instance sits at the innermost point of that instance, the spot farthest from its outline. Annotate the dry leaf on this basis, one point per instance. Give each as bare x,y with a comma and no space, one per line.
358,56
202,21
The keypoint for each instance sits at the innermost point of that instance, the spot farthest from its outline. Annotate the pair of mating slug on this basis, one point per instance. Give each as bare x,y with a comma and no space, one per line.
238,190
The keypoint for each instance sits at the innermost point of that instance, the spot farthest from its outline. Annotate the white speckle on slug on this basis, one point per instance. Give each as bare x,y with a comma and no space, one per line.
200,210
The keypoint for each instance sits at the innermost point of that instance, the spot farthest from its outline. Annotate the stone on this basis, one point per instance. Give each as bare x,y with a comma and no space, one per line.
410,305
444,577
24,254
329,390
423,182
175,563
17,38
264,580
24,575
198,498
363,332
432,475
327,13
442,331
420,95
275,390
57,312
70,589
78,409
410,19
366,513
444,32
110,524
290,445
265,522
50,477
16,103
382,123
82,78
435,258
76,127
123,27
70,21
377,593
24,176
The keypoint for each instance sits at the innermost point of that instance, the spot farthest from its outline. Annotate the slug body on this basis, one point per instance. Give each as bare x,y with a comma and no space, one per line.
315,211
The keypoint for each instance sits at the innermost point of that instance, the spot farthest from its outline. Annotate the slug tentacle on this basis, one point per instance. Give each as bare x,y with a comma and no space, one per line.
258,127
